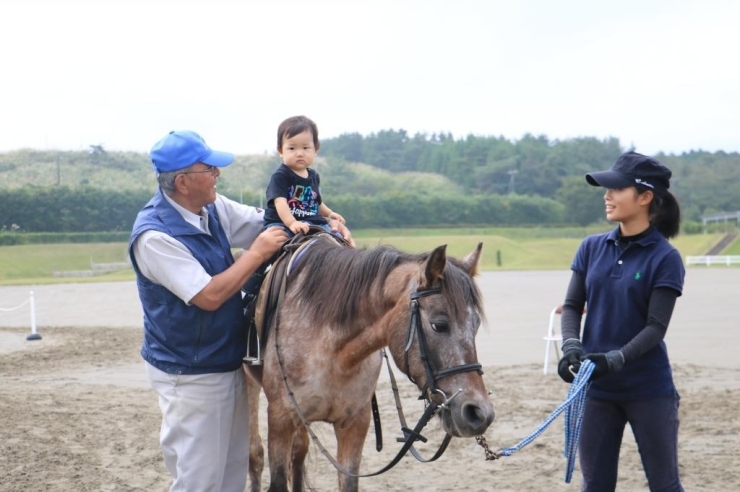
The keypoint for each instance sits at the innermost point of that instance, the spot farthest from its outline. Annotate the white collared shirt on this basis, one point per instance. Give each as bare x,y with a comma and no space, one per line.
166,261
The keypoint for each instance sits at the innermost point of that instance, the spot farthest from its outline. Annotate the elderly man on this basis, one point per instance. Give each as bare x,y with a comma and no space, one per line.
194,332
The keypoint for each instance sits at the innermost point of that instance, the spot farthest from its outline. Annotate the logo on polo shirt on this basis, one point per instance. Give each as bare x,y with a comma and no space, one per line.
638,275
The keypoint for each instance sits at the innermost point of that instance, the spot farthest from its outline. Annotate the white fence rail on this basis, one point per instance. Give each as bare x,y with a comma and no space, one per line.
713,260
95,269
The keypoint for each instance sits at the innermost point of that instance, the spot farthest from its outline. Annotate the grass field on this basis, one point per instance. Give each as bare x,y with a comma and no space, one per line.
503,249
517,251
734,248
36,263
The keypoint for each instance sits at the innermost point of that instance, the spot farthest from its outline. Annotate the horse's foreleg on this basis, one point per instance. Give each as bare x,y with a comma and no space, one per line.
298,458
256,450
350,440
280,432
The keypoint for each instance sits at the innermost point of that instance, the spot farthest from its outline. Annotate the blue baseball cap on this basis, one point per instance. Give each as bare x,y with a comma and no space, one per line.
181,149
633,169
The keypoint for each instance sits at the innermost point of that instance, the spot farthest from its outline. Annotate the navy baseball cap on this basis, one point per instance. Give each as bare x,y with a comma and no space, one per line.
181,149
633,169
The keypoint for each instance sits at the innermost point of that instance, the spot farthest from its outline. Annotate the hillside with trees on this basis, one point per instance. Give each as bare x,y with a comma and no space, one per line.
385,179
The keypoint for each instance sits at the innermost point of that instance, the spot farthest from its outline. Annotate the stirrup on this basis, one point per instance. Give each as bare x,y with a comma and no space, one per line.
249,358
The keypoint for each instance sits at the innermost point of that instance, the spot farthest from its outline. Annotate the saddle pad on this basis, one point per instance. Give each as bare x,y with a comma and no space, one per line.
269,294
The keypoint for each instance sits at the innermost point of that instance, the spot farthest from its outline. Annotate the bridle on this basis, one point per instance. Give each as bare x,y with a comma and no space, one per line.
432,376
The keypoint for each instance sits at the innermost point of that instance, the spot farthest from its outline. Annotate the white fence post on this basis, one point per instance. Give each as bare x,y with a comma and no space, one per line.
34,334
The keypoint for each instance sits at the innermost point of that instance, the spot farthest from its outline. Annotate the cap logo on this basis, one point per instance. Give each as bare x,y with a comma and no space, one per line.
643,183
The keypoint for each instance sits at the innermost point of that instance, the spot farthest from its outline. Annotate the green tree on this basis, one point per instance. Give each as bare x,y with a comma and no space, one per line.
583,204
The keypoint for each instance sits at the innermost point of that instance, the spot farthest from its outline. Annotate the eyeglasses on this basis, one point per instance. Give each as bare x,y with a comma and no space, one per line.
210,169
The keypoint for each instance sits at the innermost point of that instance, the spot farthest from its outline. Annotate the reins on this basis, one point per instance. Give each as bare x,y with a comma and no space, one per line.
573,406
402,419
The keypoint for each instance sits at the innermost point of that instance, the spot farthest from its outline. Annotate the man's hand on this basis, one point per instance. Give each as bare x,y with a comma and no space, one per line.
570,363
337,226
336,216
269,242
227,283
605,363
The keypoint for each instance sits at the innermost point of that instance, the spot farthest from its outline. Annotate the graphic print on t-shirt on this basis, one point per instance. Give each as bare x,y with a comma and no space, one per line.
302,201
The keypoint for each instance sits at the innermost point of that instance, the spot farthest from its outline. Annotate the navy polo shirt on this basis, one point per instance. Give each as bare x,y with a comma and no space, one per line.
618,288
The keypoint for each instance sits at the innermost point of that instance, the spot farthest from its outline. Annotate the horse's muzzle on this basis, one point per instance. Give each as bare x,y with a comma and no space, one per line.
466,417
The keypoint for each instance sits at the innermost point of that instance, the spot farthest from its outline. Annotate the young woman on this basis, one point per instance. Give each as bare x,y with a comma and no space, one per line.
629,278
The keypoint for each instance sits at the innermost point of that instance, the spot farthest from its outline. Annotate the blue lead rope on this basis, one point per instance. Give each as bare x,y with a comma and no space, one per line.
573,407
574,415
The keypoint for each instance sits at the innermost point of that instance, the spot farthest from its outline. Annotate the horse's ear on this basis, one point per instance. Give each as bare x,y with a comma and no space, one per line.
470,262
436,265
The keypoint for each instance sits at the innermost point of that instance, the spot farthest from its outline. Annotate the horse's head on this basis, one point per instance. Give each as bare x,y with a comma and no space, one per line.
437,351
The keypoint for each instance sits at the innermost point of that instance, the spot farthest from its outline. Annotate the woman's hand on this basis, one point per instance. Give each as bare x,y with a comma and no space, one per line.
611,361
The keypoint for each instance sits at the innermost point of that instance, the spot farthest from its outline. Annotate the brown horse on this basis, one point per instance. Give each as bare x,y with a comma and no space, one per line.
342,306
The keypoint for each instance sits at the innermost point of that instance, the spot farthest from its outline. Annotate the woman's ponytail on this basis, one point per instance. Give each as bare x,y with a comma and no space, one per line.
665,214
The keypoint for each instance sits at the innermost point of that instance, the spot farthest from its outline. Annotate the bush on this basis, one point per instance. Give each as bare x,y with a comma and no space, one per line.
691,227
15,238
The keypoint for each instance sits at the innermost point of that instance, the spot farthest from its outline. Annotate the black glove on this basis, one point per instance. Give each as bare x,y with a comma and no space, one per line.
611,361
570,363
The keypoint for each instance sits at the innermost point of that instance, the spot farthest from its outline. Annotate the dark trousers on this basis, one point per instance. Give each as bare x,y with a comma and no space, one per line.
654,423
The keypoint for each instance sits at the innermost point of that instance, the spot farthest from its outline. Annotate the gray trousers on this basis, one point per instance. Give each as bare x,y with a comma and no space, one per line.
205,429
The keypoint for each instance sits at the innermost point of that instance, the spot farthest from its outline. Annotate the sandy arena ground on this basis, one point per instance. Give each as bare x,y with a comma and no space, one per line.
76,412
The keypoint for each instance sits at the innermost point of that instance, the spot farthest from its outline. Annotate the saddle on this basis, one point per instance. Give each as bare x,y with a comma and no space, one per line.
261,310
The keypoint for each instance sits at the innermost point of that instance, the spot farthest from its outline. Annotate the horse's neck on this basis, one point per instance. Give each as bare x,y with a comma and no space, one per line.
380,316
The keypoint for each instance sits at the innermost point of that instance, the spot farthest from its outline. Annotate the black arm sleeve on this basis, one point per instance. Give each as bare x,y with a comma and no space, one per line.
660,309
575,300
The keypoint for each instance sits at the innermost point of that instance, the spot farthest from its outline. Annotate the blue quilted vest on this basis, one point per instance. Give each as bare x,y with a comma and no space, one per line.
181,338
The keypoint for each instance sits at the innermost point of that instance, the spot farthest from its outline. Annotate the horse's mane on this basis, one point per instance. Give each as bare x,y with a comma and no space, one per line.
338,281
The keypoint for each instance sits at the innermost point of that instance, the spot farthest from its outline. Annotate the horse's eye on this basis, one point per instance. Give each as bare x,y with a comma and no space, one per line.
441,327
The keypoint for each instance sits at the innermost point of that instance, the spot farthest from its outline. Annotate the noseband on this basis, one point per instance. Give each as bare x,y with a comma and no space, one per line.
432,375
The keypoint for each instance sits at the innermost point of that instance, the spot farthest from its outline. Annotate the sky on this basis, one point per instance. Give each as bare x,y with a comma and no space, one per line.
662,76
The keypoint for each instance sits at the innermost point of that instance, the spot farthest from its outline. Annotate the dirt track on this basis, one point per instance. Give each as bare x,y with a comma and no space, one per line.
77,413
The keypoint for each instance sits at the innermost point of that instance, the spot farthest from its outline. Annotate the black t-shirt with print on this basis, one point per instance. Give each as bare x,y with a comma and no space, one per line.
303,195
